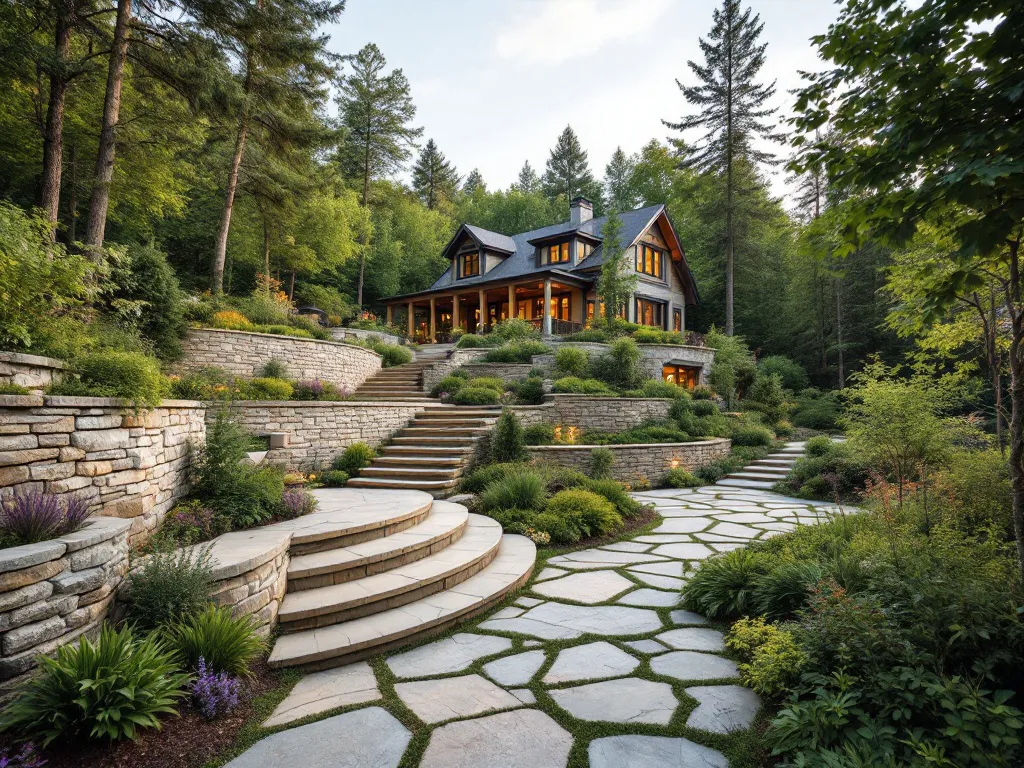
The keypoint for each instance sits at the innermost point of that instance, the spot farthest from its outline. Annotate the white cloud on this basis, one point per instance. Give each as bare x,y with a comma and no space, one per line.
563,29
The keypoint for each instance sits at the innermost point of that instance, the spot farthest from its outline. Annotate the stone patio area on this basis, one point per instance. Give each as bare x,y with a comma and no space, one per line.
592,664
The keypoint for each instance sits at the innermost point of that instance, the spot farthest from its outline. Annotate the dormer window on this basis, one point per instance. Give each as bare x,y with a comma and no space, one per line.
648,261
469,263
558,253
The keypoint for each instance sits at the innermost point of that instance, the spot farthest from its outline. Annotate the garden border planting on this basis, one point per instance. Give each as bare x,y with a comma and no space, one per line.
655,355
637,460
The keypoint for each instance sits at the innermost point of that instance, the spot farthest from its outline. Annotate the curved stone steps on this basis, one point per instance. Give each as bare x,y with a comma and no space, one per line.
404,584
354,640
443,526
424,472
430,486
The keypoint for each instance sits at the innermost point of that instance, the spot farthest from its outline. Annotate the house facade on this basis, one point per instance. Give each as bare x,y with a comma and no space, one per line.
549,277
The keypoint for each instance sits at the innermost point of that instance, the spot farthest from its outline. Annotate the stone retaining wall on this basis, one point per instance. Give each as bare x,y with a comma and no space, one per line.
361,333
243,354
650,461
317,431
655,356
611,414
129,464
251,573
55,591
506,371
30,371
455,360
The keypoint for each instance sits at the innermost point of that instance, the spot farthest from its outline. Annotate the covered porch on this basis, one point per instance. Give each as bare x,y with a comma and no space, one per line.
431,317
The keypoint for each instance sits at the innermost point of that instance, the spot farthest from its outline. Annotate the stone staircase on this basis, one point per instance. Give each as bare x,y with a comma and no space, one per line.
432,452
764,473
375,569
403,382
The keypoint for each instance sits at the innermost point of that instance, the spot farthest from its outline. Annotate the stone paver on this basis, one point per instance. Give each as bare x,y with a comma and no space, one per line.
660,582
694,639
450,655
687,617
365,738
723,708
650,598
589,588
685,551
522,738
451,697
646,646
652,752
326,690
590,662
557,621
692,665
514,670
629,700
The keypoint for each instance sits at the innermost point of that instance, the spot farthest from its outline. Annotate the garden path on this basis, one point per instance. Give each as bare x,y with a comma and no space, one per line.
593,664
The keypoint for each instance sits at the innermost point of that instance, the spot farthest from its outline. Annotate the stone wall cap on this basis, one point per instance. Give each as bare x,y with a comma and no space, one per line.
616,446
98,528
68,401
37,360
21,401
238,552
329,403
16,558
604,398
290,338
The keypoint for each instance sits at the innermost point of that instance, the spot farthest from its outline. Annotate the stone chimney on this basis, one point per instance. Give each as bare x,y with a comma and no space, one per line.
580,210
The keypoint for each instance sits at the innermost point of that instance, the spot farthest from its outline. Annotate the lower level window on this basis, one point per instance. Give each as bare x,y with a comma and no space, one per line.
681,375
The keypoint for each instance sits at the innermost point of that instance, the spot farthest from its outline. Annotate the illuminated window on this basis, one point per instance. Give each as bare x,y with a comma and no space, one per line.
648,261
650,313
469,265
681,375
599,307
677,320
558,253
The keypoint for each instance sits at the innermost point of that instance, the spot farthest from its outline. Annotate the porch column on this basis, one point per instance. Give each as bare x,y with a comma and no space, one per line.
579,306
409,320
546,325
455,311
390,313
433,314
512,301
482,304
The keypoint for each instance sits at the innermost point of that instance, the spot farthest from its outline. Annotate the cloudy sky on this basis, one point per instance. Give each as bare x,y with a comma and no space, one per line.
496,81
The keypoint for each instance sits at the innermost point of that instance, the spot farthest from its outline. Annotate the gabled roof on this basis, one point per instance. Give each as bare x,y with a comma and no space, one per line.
492,241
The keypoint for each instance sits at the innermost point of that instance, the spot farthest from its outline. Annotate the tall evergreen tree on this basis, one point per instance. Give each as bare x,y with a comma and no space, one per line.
474,181
568,172
377,112
617,279
528,181
731,106
618,181
433,177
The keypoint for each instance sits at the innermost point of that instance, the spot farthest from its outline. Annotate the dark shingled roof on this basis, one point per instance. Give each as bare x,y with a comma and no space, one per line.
522,259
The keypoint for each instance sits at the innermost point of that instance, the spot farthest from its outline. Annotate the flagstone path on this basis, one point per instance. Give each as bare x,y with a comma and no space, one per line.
593,664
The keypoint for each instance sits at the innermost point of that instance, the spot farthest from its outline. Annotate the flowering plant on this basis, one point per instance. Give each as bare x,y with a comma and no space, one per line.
214,693
31,516
26,757
296,502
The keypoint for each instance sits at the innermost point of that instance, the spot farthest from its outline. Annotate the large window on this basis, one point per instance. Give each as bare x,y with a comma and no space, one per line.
677,320
469,264
558,253
681,375
648,261
598,306
650,313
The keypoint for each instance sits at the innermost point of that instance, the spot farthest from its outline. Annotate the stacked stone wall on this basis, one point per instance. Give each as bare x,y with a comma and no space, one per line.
655,356
609,414
33,372
634,462
505,371
455,360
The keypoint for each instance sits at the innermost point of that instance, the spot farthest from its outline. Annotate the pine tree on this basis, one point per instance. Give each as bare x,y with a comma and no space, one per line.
433,177
376,110
474,181
618,178
568,172
528,181
731,106
616,281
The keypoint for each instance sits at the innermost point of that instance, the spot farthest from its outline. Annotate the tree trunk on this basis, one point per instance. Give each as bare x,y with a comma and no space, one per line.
995,367
53,137
73,196
729,245
839,332
266,252
221,248
1016,401
291,288
108,133
366,197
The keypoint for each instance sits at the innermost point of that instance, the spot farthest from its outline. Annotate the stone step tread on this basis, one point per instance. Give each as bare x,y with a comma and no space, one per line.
482,535
346,511
445,518
508,570
442,431
763,485
426,450
403,460
436,473
757,476
398,483
434,439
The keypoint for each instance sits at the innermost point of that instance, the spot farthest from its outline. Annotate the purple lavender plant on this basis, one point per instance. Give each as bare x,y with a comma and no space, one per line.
310,389
296,502
214,693
26,757
31,516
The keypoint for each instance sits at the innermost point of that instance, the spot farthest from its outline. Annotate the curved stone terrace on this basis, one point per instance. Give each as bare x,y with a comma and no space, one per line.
592,663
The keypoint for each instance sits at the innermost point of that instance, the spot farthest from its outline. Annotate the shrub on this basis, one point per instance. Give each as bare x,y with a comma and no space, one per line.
202,384
473,341
31,516
621,366
702,392
530,391
733,370
704,408
598,335
558,478
657,336
818,446
766,397
790,373
296,502
130,375
354,458
784,589
169,587
572,361
601,462
514,329
231,320
227,643
723,587
539,434
107,690
772,658
597,516
616,493
334,478
480,478
574,386
214,693
711,472
680,478
487,382
10,388
392,354
559,528
833,470
815,409
507,440
655,388
752,436
975,493
267,389
520,490
190,522
476,396
315,389
284,330
516,352
149,287
274,369
450,384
